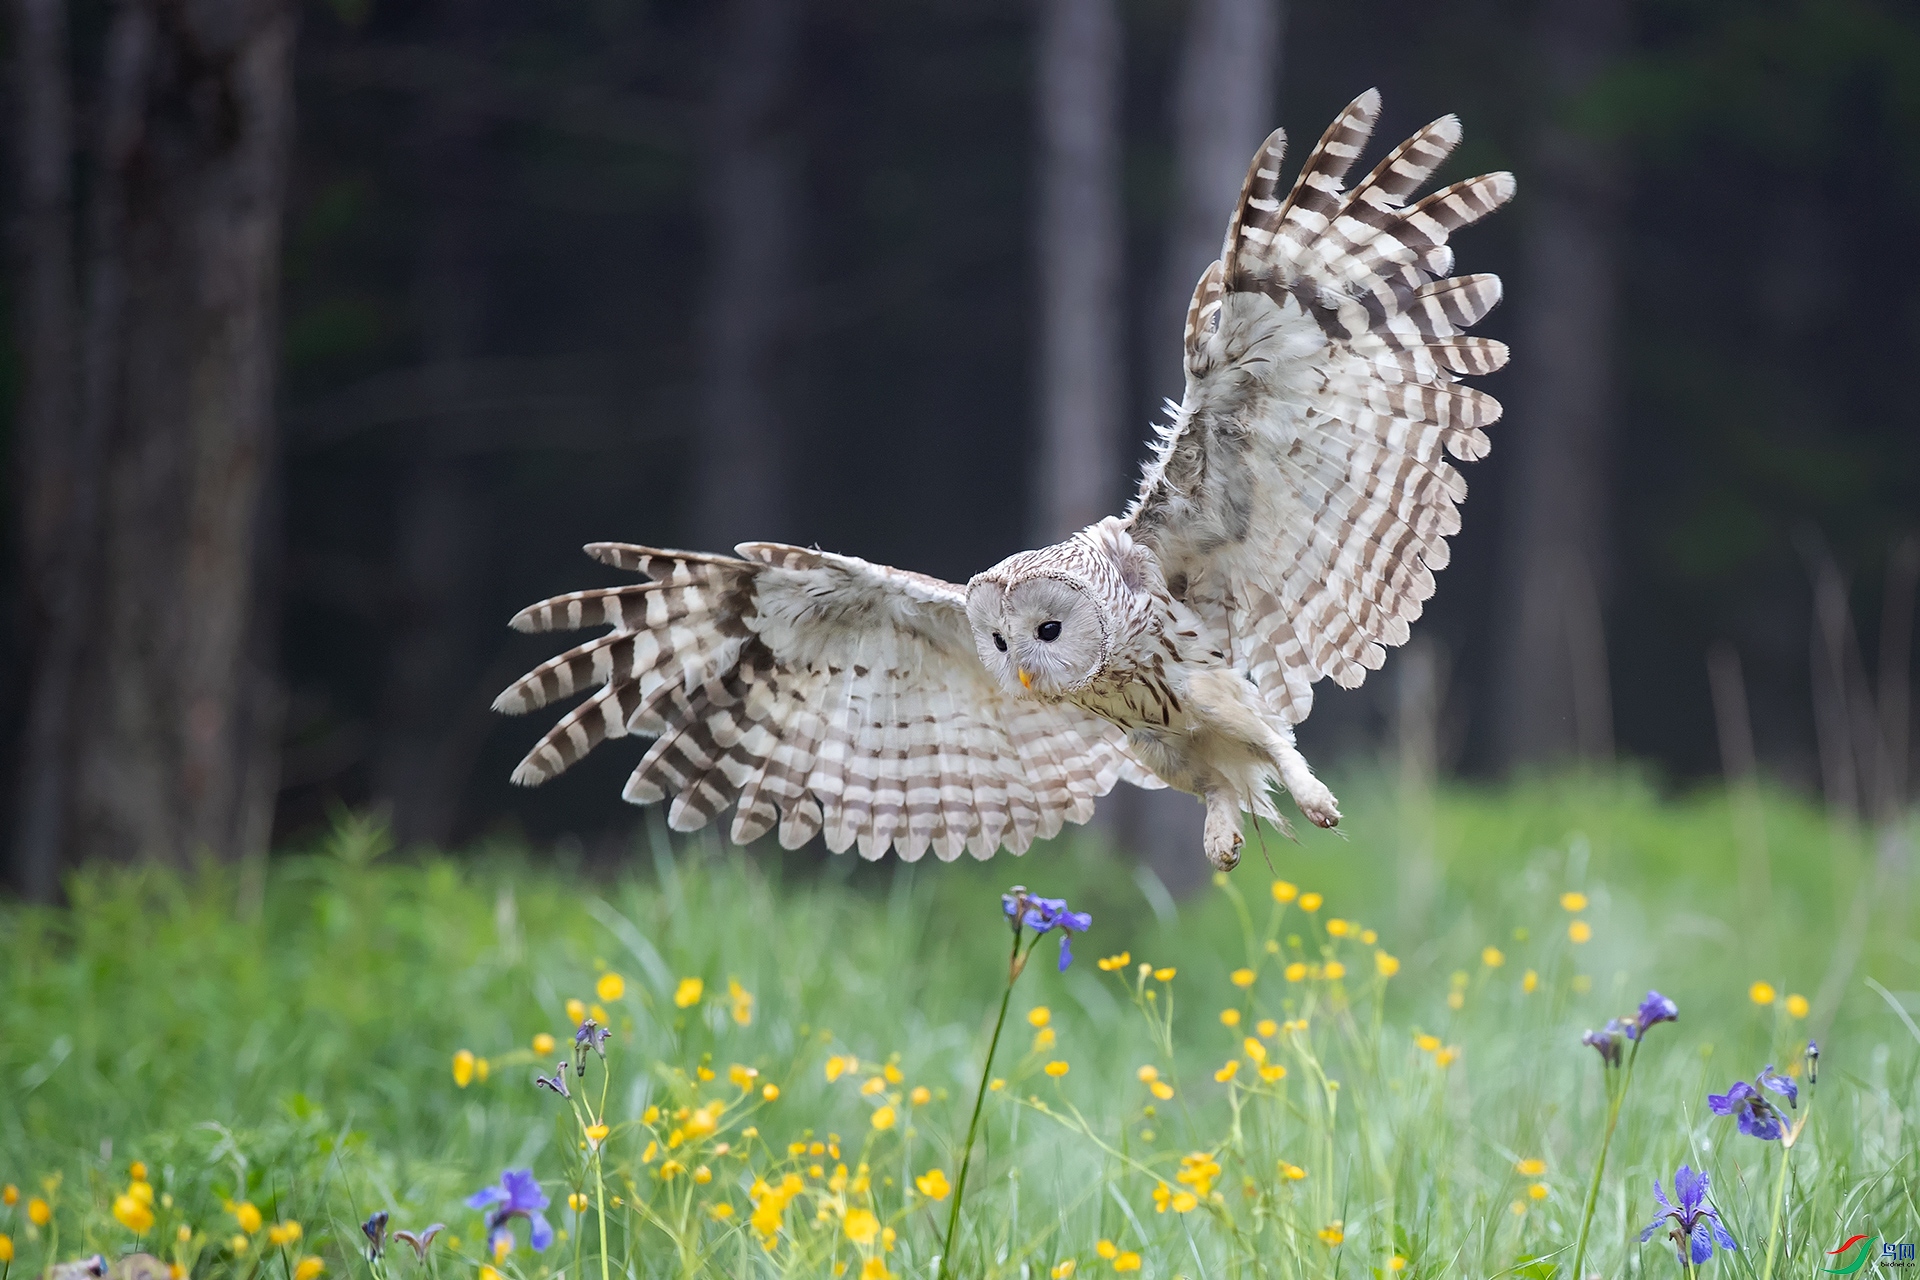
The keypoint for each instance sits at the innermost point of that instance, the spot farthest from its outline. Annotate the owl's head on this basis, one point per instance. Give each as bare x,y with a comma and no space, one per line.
1040,631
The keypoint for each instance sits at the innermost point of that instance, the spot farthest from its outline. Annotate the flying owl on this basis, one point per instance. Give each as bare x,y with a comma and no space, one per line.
1287,528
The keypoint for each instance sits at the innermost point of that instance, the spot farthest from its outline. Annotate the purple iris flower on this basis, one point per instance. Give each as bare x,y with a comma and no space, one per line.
1607,1041
1042,915
1782,1085
1653,1010
375,1229
1696,1224
518,1195
1756,1117
591,1035
421,1241
556,1082
1813,1062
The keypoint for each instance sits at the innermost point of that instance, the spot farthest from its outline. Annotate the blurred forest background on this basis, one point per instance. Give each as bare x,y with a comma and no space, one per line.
337,327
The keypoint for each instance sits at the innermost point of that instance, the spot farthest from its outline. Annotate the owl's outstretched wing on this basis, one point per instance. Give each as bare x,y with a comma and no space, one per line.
1299,499
815,693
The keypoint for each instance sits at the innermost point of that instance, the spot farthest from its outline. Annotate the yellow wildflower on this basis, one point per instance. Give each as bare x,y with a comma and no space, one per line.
670,1169
1396,1263
137,1171
1529,982
920,1096
704,1119
1273,1071
1531,1167
740,1001
1310,901
1447,1056
1519,1208
873,1085
463,1068
996,1084
875,1268
933,1184
1573,901
720,1212
653,1149
1797,1006
1296,971
488,1273
1198,1171
1369,937
238,1244
247,1216
577,1011
183,1233
1128,1261
1427,1044
1164,975
9,1195
883,1118
482,1069
1493,957
1292,1172
1241,977
610,987
577,1201
1254,1049
281,1234
1579,931
1285,892
1333,1233
6,1245
1160,1089
1039,1016
742,1076
1062,1269
1229,1017
1056,1069
1110,963
1043,1039
597,1133
1227,1072
1267,1028
308,1268
1339,928
861,1226
1538,1191
1335,971
1762,993
135,1214
599,1015
542,1044
1106,1249
770,1092
688,993
838,1065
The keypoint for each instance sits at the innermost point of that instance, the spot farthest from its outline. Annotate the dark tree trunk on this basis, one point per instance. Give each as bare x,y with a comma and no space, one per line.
1552,702
48,479
433,699
1081,247
168,718
739,483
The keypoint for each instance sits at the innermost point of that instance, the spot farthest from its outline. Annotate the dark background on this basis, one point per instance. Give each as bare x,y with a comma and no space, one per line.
682,273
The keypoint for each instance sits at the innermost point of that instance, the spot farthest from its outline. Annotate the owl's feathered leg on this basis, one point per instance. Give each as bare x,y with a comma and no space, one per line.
1311,794
1223,838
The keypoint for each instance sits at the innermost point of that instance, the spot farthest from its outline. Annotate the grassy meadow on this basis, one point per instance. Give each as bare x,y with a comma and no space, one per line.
1373,1069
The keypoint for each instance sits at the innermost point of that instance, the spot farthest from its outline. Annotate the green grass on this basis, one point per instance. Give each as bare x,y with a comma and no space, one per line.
289,1043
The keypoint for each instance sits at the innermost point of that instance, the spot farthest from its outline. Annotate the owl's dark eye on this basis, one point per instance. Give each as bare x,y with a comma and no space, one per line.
999,642
1049,631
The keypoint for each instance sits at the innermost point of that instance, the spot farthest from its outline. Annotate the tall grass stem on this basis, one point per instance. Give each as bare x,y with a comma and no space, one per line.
979,1100
1600,1165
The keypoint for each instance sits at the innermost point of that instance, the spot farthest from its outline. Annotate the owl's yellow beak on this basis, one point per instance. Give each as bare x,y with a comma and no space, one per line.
1026,681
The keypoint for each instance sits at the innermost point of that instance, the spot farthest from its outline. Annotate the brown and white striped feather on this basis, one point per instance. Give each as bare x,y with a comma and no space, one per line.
1302,487
814,695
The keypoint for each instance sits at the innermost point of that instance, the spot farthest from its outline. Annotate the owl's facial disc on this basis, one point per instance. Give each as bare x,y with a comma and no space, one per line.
1040,637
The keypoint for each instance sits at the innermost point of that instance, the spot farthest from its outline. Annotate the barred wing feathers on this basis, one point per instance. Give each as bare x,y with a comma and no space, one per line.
812,693
1299,498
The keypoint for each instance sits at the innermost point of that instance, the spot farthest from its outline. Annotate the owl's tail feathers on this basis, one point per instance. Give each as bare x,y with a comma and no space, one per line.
675,631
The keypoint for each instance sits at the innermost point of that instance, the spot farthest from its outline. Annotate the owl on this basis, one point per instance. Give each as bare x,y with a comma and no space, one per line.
1287,528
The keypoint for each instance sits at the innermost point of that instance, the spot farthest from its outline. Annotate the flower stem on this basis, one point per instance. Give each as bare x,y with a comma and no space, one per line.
1600,1165
1780,1188
979,1100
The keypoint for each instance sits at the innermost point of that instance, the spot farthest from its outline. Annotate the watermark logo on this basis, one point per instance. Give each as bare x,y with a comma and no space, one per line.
1859,1259
1891,1253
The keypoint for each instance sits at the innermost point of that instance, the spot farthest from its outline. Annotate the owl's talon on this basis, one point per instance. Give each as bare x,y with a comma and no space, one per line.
1223,838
